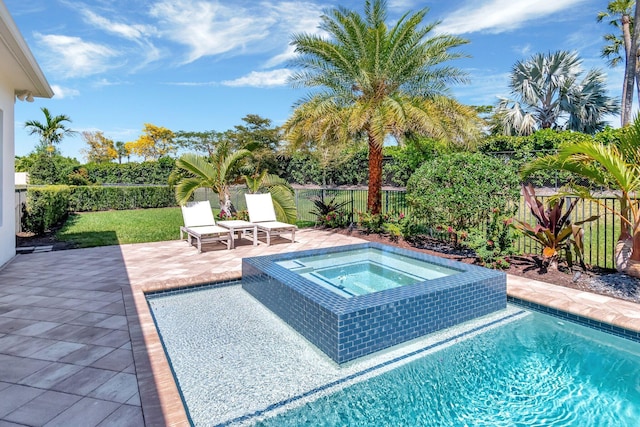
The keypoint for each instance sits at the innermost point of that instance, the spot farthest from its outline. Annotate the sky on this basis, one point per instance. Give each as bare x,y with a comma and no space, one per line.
201,65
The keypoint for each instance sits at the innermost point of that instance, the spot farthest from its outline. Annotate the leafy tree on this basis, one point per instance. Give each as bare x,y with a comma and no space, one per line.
51,131
615,167
101,149
155,142
619,14
200,142
547,90
50,168
262,138
216,173
374,81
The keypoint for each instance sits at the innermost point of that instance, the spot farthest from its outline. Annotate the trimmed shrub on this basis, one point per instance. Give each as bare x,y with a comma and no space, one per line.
45,207
99,198
460,190
151,173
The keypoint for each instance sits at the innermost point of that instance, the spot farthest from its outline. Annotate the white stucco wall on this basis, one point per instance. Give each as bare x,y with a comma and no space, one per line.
7,183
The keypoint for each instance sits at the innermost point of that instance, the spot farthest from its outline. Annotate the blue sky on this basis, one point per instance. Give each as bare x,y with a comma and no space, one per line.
200,65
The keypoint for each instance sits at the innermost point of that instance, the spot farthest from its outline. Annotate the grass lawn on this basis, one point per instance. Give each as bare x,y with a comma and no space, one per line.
120,227
91,229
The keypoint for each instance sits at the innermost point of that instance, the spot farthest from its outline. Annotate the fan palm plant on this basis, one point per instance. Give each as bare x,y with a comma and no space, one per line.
547,89
614,167
376,81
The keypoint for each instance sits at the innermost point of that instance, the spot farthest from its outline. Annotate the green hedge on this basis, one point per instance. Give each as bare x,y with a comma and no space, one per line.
50,205
151,173
99,198
45,207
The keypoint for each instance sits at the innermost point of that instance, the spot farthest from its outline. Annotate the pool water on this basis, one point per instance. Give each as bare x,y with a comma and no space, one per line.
363,271
537,370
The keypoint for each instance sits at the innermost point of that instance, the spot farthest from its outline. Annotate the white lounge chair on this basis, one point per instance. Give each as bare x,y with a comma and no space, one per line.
263,215
200,225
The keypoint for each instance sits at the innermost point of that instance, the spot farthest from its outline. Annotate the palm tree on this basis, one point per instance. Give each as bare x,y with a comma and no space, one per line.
547,89
615,167
51,131
373,81
281,193
201,172
619,14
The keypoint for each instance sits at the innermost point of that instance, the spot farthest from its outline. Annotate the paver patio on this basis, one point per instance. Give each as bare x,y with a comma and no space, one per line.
78,345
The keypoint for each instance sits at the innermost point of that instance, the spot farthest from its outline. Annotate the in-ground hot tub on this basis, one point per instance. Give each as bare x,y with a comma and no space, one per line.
353,300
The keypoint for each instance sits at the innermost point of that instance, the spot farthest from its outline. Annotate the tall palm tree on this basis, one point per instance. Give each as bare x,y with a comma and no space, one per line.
619,14
51,131
373,81
615,167
202,172
282,194
547,89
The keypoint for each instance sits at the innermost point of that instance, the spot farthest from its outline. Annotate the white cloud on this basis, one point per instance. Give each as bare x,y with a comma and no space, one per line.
61,92
73,57
209,28
498,16
140,34
485,87
263,79
292,18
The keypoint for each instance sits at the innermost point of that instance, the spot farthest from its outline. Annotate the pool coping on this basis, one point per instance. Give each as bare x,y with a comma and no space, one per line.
161,399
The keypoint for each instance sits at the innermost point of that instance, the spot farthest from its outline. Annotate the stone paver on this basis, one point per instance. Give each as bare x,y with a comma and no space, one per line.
78,345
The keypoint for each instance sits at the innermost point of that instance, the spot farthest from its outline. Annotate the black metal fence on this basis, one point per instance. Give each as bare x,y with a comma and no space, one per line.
599,236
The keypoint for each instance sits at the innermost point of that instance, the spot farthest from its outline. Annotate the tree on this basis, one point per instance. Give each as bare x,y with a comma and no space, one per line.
200,142
215,173
375,81
101,149
619,12
615,167
155,142
547,90
122,151
51,132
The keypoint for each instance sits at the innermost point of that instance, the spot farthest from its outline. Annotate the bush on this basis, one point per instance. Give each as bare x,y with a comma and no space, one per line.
149,173
45,207
461,190
99,198
49,169
494,244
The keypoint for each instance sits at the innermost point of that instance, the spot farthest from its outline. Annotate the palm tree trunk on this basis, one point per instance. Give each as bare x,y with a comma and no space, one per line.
626,35
630,70
374,200
633,265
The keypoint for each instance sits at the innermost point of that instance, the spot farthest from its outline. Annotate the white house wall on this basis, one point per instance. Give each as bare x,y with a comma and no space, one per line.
7,149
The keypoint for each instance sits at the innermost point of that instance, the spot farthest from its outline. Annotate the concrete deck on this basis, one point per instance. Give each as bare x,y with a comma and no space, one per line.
78,345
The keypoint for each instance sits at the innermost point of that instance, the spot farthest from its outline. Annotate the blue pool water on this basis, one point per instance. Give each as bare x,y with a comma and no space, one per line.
536,370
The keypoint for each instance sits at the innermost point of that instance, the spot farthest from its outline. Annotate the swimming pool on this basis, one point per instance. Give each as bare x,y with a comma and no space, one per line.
236,363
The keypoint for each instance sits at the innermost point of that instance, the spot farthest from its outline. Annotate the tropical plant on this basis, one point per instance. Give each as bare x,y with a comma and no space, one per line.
619,14
493,244
51,132
329,213
554,230
375,81
613,167
548,94
196,171
282,194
